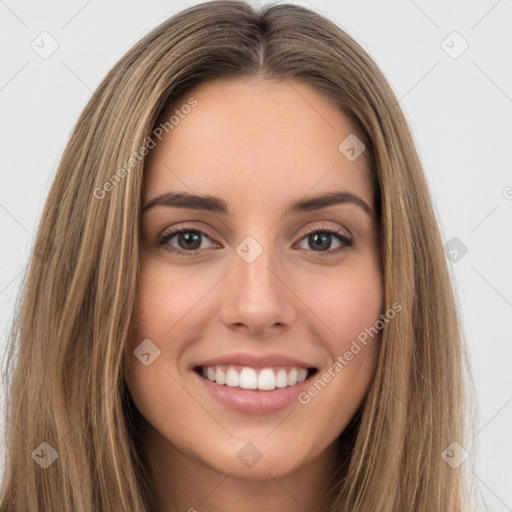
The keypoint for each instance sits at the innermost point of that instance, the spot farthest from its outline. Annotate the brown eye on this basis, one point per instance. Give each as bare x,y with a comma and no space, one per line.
189,240
320,240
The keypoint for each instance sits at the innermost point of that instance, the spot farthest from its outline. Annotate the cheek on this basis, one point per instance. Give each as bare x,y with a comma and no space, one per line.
164,300
349,307
348,304
159,315
165,312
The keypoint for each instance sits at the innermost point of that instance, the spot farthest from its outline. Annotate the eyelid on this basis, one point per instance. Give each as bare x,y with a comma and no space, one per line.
325,225
181,226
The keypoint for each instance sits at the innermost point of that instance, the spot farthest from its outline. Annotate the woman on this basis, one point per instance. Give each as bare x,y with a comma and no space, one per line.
238,297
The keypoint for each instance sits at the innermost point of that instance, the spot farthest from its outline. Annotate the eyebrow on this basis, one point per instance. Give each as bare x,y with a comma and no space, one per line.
218,205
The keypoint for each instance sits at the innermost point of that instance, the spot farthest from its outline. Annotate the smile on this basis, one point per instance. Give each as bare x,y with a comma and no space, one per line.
246,377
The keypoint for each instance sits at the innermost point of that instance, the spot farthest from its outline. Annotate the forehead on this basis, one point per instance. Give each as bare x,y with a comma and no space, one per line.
256,139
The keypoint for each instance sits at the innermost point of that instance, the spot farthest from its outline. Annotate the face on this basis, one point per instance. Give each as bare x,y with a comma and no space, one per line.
242,354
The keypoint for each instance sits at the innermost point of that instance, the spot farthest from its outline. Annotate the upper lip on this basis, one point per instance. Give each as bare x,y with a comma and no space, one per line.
255,361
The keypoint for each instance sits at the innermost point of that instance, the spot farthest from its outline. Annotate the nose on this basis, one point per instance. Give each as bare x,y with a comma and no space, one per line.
257,298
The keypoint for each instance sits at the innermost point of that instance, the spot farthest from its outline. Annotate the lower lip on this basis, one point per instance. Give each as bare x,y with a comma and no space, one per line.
254,401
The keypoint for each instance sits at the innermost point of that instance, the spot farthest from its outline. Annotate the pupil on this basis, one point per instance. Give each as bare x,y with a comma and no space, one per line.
318,243
188,237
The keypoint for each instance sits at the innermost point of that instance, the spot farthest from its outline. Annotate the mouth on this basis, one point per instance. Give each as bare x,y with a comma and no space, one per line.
257,379
254,383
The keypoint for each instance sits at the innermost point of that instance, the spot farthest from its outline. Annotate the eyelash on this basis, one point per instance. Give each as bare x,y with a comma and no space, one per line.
346,242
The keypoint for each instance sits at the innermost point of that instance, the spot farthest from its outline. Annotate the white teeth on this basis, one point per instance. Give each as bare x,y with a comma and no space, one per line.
232,378
281,379
249,378
220,377
302,374
266,379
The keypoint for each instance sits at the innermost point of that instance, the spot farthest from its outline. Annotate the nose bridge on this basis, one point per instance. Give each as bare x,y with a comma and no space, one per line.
256,295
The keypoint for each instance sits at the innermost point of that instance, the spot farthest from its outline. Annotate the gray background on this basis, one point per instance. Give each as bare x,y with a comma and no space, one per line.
458,106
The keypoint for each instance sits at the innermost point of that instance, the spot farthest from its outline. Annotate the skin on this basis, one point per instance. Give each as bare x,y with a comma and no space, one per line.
257,144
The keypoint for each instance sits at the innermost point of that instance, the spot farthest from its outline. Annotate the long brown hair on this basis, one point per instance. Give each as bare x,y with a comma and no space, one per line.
64,374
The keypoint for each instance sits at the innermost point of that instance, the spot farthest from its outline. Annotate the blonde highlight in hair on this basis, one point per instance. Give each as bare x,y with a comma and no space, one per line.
64,374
